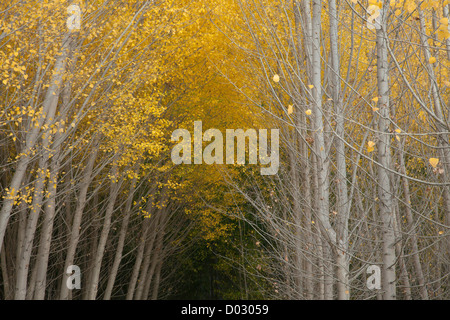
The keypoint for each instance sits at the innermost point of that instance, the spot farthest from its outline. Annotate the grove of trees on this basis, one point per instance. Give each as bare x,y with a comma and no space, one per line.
91,92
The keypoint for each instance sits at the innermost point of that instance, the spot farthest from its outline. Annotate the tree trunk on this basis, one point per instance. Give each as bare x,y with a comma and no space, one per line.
342,258
121,242
76,224
115,187
384,158
138,262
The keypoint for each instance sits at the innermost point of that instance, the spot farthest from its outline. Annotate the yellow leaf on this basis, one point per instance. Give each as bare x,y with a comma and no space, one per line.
398,130
370,146
444,21
308,112
434,162
432,60
443,34
375,99
310,86
276,78
290,109
376,3
398,12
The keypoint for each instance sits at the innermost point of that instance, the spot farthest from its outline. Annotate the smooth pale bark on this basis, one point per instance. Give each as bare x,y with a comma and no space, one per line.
319,273
297,213
157,280
302,14
309,239
121,242
158,252
5,275
157,225
154,219
21,229
412,232
46,232
321,263
342,258
151,271
76,224
138,261
147,261
33,217
157,260
306,23
32,284
404,276
92,245
384,159
319,143
115,187
306,189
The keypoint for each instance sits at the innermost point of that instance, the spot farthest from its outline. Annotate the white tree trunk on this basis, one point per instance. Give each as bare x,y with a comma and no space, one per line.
384,158
76,224
115,187
121,242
